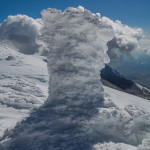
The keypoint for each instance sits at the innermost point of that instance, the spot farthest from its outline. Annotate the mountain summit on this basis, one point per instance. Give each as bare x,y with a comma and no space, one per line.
79,113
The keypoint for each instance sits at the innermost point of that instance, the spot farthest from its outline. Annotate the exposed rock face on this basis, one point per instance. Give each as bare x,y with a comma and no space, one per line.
111,78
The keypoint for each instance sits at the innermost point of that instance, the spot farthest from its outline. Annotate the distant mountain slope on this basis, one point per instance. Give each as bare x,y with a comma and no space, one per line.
112,78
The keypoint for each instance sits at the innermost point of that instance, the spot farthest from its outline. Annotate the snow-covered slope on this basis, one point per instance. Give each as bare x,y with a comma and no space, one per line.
122,99
78,114
112,78
24,78
139,109
9,116
23,85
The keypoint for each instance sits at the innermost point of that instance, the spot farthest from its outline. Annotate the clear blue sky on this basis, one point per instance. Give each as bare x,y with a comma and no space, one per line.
131,12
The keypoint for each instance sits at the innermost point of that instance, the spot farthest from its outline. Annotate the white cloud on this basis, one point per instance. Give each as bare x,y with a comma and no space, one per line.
145,46
76,110
21,31
126,38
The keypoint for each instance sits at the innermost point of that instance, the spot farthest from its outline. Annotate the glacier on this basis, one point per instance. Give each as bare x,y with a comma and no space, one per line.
78,113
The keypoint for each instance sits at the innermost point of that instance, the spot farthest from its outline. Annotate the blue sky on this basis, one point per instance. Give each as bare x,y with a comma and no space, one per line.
131,12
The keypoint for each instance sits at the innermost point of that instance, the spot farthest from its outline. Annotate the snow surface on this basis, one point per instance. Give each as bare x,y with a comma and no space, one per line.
78,113
23,85
141,87
122,100
113,146
9,116
139,109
